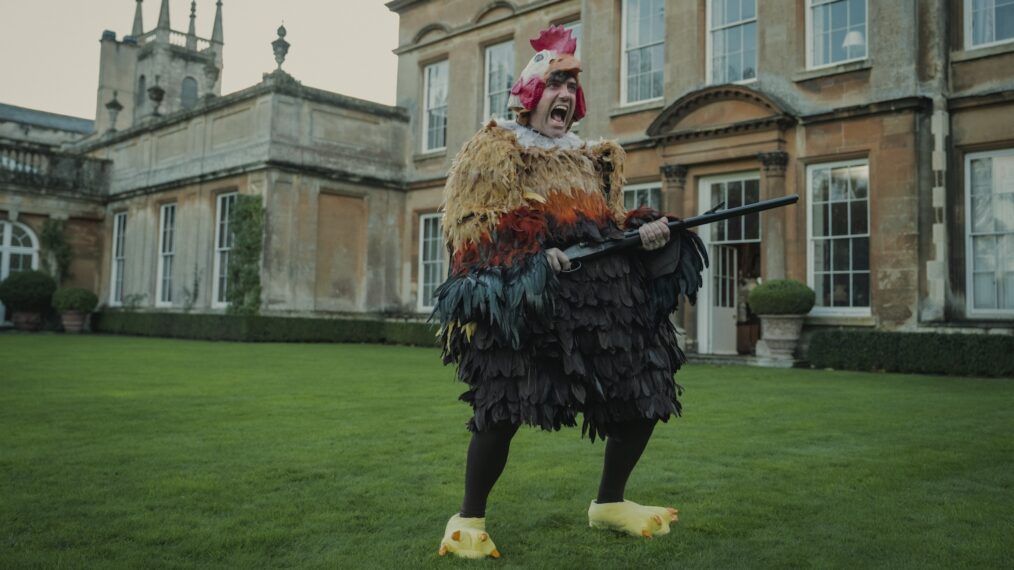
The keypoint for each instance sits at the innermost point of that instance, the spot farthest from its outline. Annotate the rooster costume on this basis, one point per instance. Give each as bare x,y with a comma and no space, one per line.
538,347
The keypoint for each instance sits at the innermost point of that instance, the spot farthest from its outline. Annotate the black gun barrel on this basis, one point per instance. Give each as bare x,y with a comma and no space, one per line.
586,251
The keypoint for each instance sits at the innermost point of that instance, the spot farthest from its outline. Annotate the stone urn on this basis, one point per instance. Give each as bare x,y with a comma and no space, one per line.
73,321
781,335
27,321
781,304
74,305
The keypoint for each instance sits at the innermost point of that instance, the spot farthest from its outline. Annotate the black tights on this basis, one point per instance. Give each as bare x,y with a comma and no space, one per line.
488,450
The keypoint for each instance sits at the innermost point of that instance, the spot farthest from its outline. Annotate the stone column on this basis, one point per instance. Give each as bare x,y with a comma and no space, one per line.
674,182
772,185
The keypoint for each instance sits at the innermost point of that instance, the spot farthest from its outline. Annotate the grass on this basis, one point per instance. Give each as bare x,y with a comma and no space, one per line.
122,452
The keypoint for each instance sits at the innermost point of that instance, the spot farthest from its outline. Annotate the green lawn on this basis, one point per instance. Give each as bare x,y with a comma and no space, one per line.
123,452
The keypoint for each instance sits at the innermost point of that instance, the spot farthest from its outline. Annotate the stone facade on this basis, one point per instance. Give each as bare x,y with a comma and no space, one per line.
894,122
904,109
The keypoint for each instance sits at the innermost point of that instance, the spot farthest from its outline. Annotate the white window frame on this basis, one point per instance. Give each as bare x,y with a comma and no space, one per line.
705,197
6,249
221,249
969,31
970,309
118,259
164,255
624,102
421,268
710,44
809,36
636,188
487,111
425,105
838,311
576,30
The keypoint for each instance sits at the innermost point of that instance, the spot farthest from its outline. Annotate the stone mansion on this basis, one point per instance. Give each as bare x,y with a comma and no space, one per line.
892,120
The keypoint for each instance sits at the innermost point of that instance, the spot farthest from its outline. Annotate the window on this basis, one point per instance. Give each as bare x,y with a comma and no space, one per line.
223,245
575,31
167,251
188,93
141,96
839,236
119,259
435,113
499,78
988,22
732,40
638,195
836,31
989,228
431,258
643,50
733,194
19,251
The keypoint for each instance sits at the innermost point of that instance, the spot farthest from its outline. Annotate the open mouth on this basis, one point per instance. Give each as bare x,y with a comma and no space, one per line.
558,113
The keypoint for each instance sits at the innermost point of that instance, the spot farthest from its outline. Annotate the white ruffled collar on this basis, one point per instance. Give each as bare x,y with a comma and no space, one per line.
528,138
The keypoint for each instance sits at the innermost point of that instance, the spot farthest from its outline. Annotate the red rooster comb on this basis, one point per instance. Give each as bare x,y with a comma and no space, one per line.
556,39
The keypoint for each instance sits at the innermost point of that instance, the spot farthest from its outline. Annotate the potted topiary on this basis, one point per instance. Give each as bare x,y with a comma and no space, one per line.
27,294
781,305
74,305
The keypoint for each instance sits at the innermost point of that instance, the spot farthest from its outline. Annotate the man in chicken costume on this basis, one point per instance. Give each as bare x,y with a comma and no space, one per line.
536,340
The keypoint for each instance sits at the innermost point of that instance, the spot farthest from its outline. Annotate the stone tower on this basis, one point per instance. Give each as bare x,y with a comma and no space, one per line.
185,69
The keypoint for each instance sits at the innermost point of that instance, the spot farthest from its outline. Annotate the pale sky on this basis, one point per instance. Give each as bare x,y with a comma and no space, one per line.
51,47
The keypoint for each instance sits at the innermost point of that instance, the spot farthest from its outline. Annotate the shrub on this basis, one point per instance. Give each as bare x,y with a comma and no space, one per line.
74,299
924,353
28,291
251,328
781,297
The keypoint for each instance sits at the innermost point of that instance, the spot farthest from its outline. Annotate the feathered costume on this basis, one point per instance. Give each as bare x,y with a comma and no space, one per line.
537,347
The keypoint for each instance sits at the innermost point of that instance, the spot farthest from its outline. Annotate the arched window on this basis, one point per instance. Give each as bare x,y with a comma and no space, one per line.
188,94
141,95
19,251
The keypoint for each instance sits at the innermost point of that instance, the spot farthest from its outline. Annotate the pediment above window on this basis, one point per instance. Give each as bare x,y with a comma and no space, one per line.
720,110
494,11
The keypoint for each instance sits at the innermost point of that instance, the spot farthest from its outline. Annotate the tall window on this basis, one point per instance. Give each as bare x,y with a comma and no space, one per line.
836,30
435,113
19,251
575,31
732,40
989,191
988,22
188,93
119,259
638,195
736,193
431,258
839,225
141,96
499,78
643,50
223,245
167,251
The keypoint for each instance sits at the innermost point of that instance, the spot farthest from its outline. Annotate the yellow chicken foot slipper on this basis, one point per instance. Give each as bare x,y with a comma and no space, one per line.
631,518
467,538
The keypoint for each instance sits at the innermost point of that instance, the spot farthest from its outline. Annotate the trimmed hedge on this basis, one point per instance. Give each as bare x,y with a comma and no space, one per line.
29,291
781,297
74,299
264,329
923,353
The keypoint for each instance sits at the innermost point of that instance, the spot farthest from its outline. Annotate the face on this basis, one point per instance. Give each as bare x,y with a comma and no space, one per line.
555,111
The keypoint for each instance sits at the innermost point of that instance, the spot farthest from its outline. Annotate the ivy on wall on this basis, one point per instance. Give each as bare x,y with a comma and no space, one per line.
56,252
247,224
